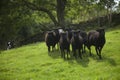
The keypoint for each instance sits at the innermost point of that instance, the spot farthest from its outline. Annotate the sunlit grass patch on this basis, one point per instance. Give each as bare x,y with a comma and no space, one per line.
32,62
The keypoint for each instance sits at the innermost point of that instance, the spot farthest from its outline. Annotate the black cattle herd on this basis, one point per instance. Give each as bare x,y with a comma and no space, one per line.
78,39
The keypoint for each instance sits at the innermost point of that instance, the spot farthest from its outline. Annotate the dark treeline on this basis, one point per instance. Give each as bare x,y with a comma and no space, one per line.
103,22
23,21
82,25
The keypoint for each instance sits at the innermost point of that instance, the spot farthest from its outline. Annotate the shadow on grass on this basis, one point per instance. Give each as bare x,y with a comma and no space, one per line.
54,54
84,61
85,58
111,61
104,58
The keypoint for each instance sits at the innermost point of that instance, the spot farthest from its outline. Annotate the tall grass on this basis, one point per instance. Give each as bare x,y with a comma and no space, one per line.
32,62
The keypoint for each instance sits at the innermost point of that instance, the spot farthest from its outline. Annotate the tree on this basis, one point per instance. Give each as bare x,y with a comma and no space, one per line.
61,12
108,4
6,21
59,8
19,17
10,20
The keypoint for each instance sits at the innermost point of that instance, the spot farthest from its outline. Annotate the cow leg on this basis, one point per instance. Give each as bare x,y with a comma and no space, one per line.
64,54
75,53
79,51
69,50
48,48
84,49
67,54
89,50
58,46
61,52
73,50
100,49
96,48
52,48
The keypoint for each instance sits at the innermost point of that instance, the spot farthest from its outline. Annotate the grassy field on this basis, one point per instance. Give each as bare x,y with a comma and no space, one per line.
32,62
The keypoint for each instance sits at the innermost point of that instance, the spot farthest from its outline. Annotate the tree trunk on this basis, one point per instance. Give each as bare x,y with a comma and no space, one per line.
60,12
98,16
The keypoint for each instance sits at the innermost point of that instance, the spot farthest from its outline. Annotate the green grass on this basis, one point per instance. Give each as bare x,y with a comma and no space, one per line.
32,62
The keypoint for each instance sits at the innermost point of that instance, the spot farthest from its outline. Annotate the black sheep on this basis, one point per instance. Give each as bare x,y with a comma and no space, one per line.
97,39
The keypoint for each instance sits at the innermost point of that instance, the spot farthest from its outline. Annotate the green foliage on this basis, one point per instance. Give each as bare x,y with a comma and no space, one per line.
18,19
7,28
33,62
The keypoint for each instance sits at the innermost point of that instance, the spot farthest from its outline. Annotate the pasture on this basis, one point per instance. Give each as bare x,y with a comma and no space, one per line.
32,62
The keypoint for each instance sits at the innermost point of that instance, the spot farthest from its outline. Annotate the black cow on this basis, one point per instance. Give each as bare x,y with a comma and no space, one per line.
84,36
69,32
77,43
50,40
57,32
97,39
57,35
64,44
